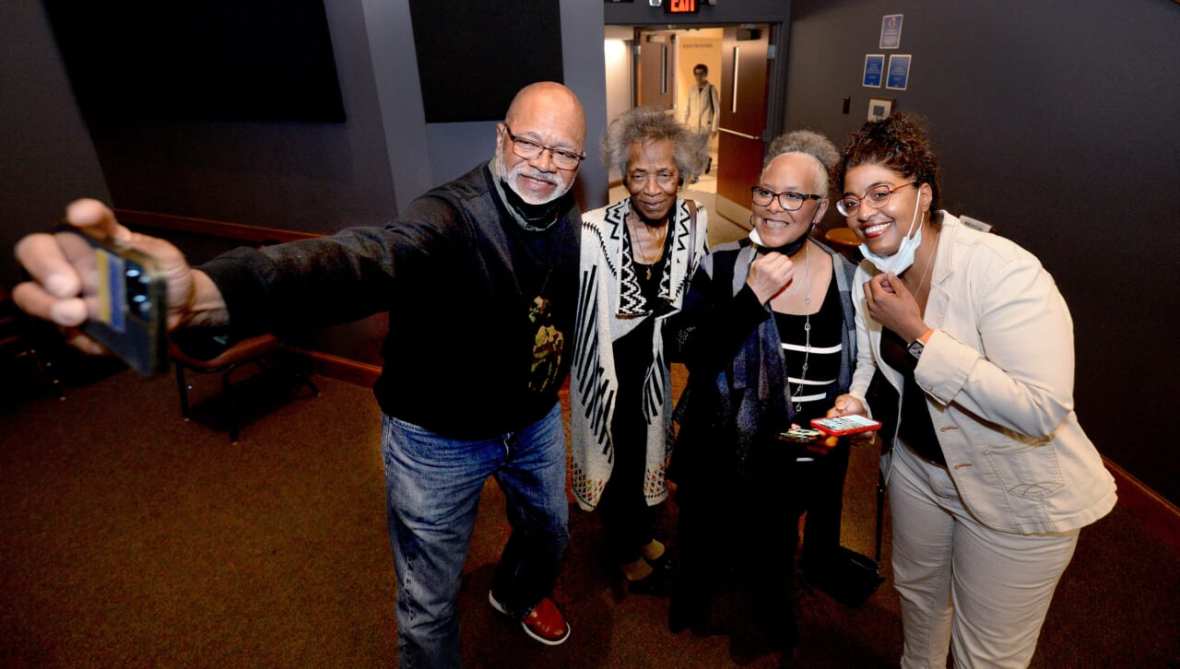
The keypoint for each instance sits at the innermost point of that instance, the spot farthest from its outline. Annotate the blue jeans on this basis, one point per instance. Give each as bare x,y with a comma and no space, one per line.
432,486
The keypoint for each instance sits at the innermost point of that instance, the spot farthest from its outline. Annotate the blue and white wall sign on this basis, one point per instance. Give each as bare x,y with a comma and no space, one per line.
891,31
899,72
874,70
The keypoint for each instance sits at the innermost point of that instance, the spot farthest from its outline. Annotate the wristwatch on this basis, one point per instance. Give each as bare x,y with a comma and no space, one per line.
915,348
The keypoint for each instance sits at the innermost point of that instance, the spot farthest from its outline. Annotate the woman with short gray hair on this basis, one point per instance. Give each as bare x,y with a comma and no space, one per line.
641,125
768,335
809,143
638,256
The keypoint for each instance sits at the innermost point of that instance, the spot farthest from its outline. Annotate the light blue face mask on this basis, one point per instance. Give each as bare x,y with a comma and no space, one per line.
901,260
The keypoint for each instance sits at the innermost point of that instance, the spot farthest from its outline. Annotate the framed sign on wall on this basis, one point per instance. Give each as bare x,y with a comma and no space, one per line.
898,74
879,109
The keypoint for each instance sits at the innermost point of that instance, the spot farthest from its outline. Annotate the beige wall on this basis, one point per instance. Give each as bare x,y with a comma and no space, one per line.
692,47
617,52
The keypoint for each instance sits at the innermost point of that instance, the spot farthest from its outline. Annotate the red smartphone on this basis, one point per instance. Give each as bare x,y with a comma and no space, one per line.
844,425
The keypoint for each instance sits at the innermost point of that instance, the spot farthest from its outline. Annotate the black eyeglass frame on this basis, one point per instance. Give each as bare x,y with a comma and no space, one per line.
840,202
541,149
803,197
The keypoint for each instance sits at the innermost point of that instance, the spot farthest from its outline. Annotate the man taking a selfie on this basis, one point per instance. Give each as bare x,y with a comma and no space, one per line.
480,278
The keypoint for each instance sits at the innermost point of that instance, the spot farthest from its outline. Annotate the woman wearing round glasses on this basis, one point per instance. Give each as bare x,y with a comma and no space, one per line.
638,256
768,337
990,476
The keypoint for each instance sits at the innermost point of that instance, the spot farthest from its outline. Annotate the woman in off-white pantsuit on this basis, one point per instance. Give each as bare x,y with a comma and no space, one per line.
990,476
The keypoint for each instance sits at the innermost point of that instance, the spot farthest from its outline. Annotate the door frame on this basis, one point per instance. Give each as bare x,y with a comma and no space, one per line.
776,91
777,77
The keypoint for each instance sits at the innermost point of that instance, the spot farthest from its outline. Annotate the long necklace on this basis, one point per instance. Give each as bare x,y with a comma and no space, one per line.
644,252
927,273
806,330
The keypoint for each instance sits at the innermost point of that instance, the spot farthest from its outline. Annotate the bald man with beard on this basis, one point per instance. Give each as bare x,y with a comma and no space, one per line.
479,277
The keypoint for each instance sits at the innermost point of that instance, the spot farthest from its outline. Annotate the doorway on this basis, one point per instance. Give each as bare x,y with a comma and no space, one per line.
654,67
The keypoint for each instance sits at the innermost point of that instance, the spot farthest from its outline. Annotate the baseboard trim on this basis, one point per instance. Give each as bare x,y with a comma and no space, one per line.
1160,517
343,369
252,234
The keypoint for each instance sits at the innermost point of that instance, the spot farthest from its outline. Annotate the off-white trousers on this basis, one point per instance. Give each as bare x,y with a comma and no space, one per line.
982,592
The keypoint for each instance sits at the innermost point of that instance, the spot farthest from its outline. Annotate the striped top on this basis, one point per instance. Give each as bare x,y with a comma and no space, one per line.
810,389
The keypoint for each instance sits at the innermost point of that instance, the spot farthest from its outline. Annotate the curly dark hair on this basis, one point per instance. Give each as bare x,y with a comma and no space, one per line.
900,143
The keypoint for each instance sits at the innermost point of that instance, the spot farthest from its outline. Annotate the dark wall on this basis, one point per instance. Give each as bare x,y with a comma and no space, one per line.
46,158
305,176
1056,122
453,148
478,82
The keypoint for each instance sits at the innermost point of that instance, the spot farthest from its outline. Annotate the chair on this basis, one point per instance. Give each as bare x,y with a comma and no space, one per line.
214,355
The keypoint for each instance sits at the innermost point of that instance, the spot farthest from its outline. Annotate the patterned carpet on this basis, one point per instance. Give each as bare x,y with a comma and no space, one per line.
131,538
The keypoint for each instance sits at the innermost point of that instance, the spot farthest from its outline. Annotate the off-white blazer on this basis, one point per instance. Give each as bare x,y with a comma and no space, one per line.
998,374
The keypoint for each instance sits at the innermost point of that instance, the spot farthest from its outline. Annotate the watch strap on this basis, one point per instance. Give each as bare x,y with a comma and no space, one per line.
915,348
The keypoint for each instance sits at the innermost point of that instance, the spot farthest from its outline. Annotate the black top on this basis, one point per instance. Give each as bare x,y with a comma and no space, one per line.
915,428
633,351
481,310
812,389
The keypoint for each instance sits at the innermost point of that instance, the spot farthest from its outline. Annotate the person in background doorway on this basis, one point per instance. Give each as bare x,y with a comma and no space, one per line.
702,109
638,256
990,476
768,336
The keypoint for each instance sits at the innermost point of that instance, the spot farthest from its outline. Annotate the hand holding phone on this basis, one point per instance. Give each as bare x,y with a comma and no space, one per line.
124,291
800,435
68,269
840,426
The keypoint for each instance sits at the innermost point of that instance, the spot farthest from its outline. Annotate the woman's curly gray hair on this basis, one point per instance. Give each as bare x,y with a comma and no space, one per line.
810,143
644,124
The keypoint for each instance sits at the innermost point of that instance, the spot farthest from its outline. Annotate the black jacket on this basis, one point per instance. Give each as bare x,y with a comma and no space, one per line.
462,348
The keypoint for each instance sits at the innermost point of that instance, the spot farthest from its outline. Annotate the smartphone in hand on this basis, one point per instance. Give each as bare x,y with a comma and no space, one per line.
844,425
125,297
800,435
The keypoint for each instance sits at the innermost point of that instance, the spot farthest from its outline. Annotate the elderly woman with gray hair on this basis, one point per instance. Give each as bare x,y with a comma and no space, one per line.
638,256
768,334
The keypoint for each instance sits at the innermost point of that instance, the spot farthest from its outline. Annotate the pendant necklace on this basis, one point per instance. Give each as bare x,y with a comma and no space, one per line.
806,330
643,251
927,273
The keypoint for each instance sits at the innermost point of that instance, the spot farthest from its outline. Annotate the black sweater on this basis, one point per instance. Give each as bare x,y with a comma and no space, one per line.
469,354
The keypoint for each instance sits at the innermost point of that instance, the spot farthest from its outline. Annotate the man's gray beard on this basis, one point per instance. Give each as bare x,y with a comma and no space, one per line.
510,178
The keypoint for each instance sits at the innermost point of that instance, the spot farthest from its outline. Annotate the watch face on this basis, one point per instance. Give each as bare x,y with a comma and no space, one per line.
916,347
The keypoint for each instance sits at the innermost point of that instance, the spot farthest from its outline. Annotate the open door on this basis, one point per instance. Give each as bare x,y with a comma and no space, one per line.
654,69
740,145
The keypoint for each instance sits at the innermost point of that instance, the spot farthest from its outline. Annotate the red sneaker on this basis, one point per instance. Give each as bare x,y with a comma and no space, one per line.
544,622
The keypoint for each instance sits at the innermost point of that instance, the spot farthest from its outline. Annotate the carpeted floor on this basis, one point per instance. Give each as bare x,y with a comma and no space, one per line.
131,538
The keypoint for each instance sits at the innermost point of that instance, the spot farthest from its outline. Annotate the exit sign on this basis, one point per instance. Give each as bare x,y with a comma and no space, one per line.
681,6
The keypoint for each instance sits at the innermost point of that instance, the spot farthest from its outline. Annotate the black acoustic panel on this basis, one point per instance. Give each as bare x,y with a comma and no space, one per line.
202,60
474,56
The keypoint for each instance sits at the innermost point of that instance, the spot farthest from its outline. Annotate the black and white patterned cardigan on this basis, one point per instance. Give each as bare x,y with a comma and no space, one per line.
610,306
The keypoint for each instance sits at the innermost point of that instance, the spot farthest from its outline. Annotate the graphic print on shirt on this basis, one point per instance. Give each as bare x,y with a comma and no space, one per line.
548,347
